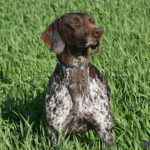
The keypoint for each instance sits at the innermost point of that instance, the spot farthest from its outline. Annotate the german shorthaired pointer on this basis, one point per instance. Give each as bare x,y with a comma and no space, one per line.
77,98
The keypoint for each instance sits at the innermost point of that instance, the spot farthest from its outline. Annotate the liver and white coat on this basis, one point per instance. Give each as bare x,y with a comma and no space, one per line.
77,98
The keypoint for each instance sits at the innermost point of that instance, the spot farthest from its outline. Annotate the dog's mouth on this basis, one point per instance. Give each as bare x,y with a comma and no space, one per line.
94,45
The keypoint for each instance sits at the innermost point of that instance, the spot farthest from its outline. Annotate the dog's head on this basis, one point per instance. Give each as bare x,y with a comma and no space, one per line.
75,31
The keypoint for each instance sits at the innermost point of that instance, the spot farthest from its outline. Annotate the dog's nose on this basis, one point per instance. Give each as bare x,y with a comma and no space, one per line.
97,33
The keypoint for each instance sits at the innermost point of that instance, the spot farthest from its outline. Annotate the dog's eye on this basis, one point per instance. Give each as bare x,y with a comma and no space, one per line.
75,22
91,20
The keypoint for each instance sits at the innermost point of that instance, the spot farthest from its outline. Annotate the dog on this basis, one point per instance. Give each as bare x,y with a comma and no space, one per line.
77,97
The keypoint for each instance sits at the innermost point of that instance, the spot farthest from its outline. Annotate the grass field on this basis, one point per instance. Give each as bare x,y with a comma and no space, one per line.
26,65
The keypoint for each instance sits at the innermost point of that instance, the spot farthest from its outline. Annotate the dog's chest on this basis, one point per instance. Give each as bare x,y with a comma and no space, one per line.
75,95
85,92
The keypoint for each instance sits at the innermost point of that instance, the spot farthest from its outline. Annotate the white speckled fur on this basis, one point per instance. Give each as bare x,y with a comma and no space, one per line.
66,108
77,98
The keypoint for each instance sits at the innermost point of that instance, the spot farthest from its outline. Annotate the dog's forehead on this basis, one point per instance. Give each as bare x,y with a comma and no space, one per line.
71,16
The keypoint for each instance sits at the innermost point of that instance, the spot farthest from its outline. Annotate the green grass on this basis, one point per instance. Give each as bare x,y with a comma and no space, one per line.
26,65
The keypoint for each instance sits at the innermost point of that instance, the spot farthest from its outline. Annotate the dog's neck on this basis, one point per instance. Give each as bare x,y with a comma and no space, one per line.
72,57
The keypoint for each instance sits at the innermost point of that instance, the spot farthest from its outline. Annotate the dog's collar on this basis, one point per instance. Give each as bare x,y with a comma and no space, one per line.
67,66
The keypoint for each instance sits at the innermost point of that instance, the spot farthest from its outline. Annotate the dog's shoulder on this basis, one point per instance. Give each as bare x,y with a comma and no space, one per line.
95,74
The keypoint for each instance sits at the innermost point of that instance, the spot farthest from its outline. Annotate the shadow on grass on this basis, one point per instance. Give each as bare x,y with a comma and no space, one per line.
32,110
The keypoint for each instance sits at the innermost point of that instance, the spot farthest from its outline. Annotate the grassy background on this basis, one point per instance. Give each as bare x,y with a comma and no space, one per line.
26,65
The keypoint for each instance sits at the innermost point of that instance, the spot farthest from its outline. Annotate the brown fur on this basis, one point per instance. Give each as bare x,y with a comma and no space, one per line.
77,99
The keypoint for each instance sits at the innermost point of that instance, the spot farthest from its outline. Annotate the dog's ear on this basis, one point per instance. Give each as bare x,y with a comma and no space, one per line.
52,39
